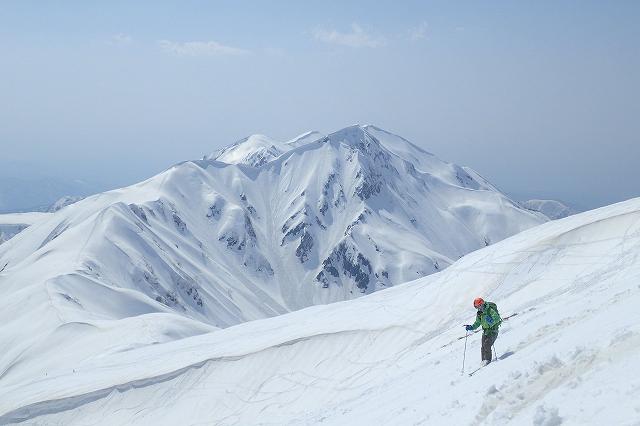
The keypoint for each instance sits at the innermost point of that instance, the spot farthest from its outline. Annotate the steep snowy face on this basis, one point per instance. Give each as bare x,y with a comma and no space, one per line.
285,228
392,357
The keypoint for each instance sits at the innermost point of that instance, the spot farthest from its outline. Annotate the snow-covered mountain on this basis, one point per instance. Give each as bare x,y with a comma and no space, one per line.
275,228
257,150
552,209
569,356
63,202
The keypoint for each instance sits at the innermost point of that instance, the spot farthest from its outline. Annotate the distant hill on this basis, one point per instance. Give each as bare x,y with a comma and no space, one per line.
551,208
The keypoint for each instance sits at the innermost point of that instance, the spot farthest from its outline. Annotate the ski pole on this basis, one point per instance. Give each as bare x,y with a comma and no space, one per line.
464,355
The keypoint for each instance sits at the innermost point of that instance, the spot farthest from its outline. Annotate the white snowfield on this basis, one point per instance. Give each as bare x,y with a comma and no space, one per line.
571,356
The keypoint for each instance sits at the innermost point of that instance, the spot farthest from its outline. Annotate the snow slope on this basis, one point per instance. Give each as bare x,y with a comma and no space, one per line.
570,356
12,224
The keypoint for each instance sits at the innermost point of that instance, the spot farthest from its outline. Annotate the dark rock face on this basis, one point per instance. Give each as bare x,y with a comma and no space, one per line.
297,227
139,212
239,241
248,227
362,218
179,223
183,290
294,232
370,185
243,239
215,211
305,247
324,207
306,239
327,188
347,261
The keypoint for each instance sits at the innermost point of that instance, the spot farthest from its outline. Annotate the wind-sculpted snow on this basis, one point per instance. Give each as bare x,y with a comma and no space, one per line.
392,357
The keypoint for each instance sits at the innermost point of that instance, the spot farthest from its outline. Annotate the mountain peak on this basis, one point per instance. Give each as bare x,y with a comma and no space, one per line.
254,150
257,150
354,133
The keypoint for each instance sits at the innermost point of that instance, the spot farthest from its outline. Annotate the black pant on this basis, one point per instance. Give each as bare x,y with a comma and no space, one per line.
488,339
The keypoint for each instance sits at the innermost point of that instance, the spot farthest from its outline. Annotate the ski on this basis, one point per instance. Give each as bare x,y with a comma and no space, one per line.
477,369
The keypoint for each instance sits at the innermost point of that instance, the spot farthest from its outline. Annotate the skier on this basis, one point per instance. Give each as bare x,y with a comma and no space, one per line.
489,318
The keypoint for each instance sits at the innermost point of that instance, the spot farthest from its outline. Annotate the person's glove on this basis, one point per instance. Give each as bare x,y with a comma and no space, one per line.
489,320
468,327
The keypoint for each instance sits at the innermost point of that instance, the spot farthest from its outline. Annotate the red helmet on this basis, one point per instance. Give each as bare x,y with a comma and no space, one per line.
478,302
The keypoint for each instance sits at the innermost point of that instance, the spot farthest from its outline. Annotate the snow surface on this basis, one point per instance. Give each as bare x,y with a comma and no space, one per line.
13,223
22,218
551,208
570,356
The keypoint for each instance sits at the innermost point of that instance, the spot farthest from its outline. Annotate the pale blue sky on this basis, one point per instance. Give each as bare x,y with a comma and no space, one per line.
539,97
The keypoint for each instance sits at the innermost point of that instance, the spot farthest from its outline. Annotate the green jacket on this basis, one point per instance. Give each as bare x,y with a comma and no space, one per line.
488,318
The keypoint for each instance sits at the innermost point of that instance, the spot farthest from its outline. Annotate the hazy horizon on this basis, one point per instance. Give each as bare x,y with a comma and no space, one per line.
540,99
